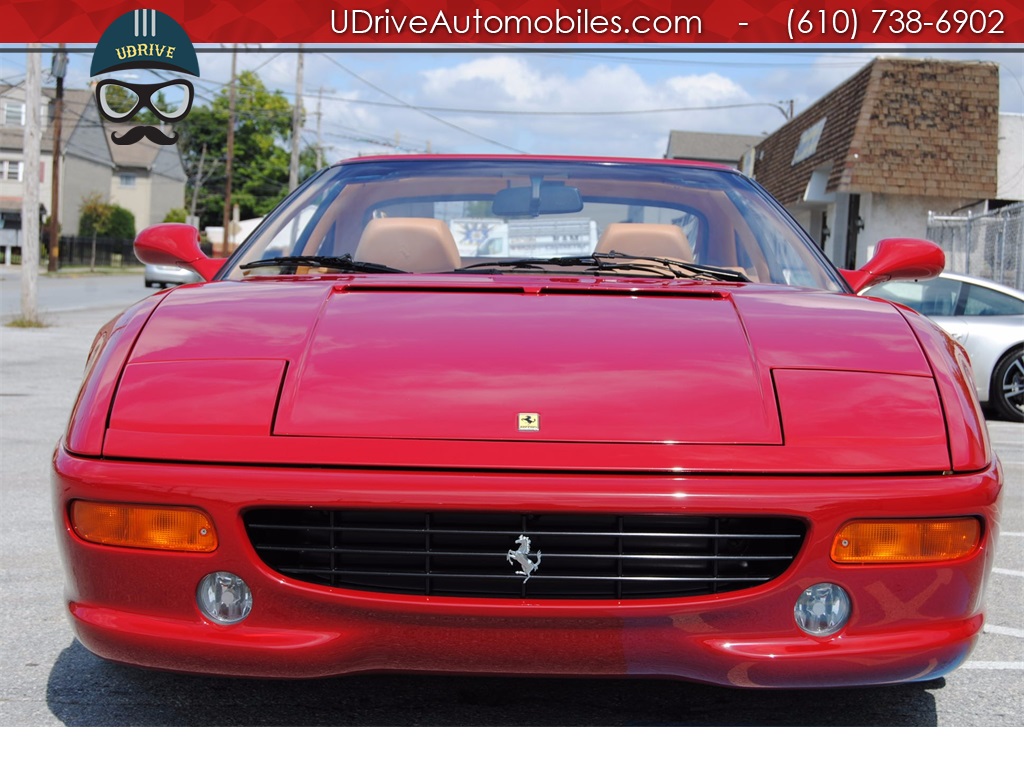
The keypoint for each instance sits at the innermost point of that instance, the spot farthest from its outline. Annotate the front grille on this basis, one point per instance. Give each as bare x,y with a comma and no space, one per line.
586,556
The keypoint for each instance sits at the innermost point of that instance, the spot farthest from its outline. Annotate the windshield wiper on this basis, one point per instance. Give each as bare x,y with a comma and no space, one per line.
527,263
687,268
609,262
343,263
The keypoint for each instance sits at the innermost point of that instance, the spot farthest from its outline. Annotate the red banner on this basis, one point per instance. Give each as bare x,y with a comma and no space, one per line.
539,22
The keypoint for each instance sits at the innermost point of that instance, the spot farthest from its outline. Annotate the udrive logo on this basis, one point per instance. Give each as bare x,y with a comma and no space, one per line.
144,40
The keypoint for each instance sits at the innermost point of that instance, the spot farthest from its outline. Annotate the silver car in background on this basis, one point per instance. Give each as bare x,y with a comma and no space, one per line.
987,318
162,277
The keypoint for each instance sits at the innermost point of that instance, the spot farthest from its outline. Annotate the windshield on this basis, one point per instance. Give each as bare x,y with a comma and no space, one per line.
509,215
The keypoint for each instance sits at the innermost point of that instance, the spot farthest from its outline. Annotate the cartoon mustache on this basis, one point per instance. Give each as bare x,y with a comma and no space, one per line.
139,132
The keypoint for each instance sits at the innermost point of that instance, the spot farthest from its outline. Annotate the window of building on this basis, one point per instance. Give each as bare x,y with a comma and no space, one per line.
12,170
127,180
14,112
808,142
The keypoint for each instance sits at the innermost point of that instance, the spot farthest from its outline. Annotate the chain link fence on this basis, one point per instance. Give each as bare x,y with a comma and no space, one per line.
989,245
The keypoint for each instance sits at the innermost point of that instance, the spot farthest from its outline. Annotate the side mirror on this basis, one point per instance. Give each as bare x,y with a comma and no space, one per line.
175,245
898,258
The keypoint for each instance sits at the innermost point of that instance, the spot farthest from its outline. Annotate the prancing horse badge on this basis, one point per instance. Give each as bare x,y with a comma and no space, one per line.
529,422
521,556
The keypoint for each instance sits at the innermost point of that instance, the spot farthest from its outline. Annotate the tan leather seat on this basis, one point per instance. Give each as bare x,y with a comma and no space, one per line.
409,244
666,241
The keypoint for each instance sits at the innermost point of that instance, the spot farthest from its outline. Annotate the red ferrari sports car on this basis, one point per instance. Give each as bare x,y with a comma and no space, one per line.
532,416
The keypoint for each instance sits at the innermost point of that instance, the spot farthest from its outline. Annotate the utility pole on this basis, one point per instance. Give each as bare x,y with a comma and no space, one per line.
319,136
321,161
195,187
293,171
230,154
58,69
30,196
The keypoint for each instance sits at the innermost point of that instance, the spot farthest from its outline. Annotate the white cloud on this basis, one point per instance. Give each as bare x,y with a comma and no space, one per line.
707,89
505,78
642,105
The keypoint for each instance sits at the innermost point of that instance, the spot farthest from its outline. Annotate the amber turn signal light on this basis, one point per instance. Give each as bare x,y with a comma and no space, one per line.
176,529
906,541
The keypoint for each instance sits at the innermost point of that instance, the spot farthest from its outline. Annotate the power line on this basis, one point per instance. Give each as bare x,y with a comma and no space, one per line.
733,61
422,111
556,113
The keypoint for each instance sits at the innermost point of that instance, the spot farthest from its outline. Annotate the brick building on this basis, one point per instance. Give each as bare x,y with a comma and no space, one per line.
870,159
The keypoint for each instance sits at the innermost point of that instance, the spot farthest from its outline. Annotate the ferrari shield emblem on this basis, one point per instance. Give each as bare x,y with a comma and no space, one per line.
529,422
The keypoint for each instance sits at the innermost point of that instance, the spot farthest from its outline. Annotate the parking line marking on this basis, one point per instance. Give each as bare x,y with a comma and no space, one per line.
992,629
1007,572
1016,665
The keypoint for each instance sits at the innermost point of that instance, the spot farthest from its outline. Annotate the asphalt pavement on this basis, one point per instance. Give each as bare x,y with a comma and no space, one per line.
49,679
72,289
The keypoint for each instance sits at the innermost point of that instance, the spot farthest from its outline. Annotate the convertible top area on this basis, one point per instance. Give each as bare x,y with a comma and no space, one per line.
437,215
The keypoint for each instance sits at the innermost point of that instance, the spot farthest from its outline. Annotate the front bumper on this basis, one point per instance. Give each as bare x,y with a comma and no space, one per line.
909,622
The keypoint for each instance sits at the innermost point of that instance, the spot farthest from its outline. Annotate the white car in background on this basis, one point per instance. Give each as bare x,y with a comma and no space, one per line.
987,318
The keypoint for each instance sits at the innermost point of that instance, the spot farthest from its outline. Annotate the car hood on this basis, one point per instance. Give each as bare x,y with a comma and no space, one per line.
535,373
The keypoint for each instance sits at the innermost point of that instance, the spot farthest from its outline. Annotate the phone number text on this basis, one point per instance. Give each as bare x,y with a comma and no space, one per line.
846,23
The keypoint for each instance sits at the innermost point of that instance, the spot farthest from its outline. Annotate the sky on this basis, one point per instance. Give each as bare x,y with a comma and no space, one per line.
542,101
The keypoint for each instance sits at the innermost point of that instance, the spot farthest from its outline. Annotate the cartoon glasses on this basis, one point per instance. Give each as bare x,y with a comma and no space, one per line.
119,101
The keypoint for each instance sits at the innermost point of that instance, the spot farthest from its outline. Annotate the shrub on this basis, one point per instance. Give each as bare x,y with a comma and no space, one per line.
105,219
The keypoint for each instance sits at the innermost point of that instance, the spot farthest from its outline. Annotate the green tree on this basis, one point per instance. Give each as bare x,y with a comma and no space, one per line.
122,223
263,126
94,216
176,215
102,219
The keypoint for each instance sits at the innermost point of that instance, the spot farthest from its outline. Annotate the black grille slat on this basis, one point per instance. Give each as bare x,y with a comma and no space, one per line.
623,537
563,556
512,576
469,532
586,556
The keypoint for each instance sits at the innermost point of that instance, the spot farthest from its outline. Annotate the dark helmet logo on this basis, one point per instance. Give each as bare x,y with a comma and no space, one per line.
144,39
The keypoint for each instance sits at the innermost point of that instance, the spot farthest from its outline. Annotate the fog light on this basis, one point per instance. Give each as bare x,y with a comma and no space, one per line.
822,609
224,598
